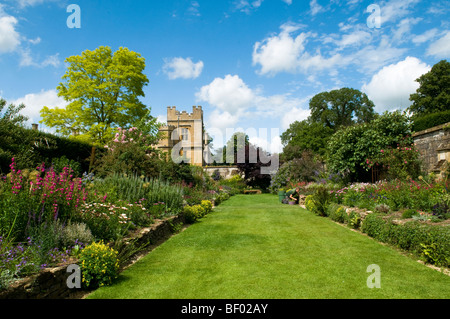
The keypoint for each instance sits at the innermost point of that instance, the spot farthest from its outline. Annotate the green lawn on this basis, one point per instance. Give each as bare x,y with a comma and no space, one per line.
253,247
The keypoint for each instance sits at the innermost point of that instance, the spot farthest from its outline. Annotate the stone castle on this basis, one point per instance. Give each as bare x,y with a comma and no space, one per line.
184,137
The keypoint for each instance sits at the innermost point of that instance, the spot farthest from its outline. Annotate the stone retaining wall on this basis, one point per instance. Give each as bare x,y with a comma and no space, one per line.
51,283
430,143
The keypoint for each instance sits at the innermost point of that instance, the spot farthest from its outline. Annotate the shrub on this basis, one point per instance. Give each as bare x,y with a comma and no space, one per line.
432,242
337,213
196,212
75,234
322,199
409,213
354,220
193,213
99,265
207,205
310,203
431,120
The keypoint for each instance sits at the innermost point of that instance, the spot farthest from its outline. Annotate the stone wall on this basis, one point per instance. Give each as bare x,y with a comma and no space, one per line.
51,283
225,172
431,143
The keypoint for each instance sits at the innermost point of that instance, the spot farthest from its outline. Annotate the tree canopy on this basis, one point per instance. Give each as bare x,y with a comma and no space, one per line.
103,91
342,107
305,135
350,147
433,94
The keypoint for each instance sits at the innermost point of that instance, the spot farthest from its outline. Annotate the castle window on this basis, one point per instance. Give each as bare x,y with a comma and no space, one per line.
184,134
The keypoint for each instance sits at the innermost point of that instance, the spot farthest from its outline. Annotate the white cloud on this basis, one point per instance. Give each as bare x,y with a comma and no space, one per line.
391,87
194,9
289,2
31,3
280,53
229,94
27,60
271,145
35,101
441,47
248,6
219,121
393,10
9,37
403,30
235,103
294,114
182,68
425,37
315,7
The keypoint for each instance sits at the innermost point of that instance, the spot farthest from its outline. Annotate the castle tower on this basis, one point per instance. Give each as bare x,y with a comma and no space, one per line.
183,136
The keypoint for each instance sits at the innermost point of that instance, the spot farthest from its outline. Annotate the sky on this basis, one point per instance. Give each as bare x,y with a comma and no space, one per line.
252,65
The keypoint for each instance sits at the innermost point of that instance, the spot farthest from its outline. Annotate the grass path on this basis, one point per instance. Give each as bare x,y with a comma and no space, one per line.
253,247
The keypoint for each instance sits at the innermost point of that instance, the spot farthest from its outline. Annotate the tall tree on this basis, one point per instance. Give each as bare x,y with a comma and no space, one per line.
341,107
433,94
305,135
103,90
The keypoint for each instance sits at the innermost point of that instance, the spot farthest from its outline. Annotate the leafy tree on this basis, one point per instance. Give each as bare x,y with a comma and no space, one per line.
350,147
103,91
433,95
343,107
305,135
11,116
252,168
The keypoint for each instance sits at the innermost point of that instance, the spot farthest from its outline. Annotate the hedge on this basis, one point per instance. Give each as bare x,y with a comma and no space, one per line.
32,148
431,242
431,120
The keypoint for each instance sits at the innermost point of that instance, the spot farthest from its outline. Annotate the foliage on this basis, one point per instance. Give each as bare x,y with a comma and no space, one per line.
253,165
33,199
76,234
99,265
337,213
343,107
430,120
319,202
193,213
430,241
60,163
134,188
11,117
236,183
103,91
31,148
402,162
433,94
305,135
349,148
303,169
130,152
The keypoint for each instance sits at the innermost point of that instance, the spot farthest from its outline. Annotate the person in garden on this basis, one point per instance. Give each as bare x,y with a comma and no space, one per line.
293,194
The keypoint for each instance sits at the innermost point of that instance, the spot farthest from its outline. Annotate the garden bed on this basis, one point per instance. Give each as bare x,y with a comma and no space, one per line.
51,283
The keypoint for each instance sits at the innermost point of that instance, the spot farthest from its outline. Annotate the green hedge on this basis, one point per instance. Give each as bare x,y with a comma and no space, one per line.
32,148
431,242
431,120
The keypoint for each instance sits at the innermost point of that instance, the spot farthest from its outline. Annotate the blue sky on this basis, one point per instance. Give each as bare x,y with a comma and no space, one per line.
251,64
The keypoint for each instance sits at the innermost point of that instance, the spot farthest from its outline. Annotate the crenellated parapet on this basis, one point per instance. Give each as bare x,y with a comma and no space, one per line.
174,115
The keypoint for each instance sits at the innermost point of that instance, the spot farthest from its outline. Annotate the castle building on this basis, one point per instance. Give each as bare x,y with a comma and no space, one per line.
184,137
